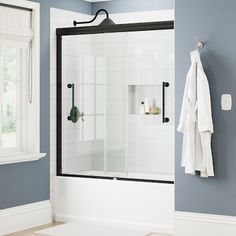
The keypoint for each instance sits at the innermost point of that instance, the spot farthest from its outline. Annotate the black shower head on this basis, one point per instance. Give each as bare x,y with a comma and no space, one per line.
107,21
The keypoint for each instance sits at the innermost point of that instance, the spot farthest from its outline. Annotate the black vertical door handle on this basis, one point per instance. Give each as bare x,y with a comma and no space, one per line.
164,86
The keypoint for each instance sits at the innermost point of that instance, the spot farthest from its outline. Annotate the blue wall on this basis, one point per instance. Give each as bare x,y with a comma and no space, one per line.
120,6
213,23
29,182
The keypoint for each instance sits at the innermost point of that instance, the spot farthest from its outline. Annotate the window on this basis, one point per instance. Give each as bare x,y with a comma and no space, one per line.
11,107
19,81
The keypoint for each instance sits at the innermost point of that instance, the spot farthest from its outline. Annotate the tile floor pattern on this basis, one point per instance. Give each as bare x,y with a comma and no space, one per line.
31,232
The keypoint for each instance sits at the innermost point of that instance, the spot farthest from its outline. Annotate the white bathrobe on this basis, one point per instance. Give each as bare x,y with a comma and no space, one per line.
196,121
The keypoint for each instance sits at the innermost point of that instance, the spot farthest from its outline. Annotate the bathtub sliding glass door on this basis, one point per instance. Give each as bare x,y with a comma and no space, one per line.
111,100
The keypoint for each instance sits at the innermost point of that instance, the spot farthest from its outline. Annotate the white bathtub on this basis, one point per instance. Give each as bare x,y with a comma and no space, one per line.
136,204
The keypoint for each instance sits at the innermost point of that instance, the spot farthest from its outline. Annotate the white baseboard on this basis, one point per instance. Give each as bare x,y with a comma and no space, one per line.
196,224
24,217
152,228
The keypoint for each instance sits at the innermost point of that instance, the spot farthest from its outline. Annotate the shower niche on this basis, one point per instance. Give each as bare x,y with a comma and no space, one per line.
116,70
144,100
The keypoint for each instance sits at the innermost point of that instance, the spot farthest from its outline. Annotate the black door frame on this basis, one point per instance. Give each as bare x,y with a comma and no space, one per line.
60,32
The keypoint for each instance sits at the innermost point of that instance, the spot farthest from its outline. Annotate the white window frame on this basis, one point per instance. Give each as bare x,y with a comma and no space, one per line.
31,150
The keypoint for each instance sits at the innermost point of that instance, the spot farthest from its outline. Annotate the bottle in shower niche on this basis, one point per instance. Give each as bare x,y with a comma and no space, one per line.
154,110
142,108
147,106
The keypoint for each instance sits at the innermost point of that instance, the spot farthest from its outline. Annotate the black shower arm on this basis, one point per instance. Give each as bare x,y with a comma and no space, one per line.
95,17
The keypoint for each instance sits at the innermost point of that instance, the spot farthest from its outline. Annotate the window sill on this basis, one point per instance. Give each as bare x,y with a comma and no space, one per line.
18,158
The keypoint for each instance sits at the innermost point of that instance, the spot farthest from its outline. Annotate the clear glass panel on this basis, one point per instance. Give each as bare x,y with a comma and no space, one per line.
9,58
150,143
83,142
9,138
112,75
9,97
115,103
9,100
8,115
